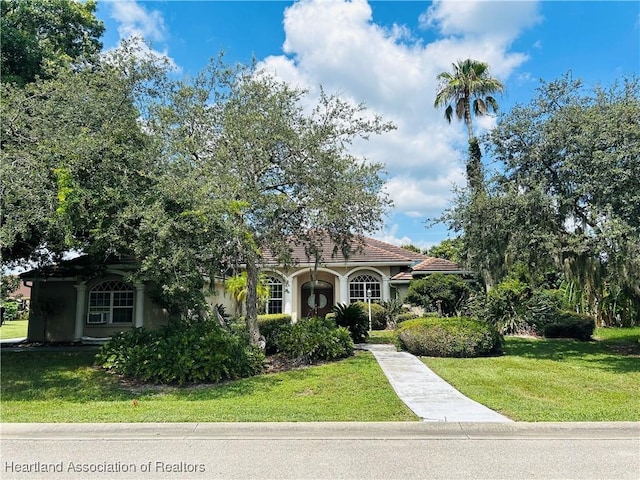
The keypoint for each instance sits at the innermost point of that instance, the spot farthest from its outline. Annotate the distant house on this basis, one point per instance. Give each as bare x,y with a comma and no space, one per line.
376,270
76,301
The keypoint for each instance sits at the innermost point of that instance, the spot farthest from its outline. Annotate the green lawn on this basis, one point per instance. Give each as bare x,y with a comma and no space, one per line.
555,380
65,387
536,380
14,329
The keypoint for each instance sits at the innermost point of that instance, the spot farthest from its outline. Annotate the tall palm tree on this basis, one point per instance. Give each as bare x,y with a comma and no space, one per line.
469,86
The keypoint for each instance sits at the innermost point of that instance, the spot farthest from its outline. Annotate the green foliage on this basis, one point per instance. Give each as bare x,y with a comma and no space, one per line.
570,325
8,285
450,291
378,319
313,339
566,200
391,311
181,353
270,327
449,337
354,318
505,306
449,249
9,310
41,37
467,89
403,317
75,164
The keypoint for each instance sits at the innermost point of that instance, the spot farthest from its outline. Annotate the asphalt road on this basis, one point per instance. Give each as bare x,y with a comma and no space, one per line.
411,450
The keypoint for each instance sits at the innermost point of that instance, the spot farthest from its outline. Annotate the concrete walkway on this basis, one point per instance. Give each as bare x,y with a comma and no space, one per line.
424,392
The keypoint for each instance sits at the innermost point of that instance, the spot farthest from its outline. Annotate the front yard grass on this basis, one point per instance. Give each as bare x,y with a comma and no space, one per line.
66,387
540,380
14,329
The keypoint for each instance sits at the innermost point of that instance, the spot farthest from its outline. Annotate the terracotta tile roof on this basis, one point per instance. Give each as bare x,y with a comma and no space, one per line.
402,277
364,250
433,264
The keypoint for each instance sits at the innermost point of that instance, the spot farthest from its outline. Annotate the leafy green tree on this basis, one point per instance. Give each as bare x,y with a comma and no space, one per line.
439,292
566,201
40,37
468,88
75,164
267,170
449,249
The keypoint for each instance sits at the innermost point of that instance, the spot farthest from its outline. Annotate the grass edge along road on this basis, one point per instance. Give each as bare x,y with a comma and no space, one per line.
536,380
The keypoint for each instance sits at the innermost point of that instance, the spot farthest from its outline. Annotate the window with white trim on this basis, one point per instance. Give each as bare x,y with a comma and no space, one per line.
276,292
359,286
111,302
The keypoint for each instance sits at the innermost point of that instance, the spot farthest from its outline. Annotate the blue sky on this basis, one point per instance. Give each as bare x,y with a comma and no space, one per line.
387,54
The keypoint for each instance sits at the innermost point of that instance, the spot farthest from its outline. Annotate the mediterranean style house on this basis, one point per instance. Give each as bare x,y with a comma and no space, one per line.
77,302
375,271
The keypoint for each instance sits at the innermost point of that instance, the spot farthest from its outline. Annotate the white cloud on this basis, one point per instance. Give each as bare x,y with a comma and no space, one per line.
134,20
137,23
337,45
484,18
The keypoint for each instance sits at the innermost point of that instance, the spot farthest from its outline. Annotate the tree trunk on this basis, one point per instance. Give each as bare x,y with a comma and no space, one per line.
251,306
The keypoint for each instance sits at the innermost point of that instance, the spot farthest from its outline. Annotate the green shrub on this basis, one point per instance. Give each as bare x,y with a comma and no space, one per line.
570,325
448,291
270,326
449,337
313,339
10,310
505,306
403,317
378,320
354,319
181,353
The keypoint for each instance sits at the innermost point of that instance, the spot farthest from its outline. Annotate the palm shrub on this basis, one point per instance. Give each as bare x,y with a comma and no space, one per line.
505,306
354,319
181,353
315,338
449,337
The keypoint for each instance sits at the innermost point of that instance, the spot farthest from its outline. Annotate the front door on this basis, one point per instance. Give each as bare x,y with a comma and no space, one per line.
317,301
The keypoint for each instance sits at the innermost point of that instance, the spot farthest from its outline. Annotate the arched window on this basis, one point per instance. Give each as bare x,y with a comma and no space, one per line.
359,286
276,291
111,302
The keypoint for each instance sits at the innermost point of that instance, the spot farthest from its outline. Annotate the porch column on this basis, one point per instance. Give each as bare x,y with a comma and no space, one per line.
81,302
386,289
139,309
295,298
344,289
288,296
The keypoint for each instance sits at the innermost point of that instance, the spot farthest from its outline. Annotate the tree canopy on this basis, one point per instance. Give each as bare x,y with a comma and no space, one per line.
262,169
566,203
39,37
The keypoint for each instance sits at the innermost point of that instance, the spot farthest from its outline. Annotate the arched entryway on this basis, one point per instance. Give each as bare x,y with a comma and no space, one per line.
317,298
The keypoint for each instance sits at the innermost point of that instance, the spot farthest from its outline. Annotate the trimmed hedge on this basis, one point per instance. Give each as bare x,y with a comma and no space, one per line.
270,327
570,325
449,337
313,339
181,353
